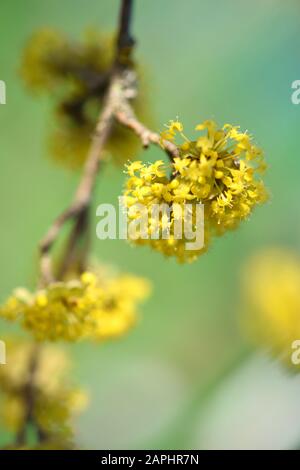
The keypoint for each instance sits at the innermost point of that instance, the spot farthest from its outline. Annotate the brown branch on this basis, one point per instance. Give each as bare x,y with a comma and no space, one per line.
125,39
72,253
126,116
29,397
84,192
102,133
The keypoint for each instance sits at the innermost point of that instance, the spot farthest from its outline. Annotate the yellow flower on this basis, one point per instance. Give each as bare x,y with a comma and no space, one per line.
158,169
55,401
175,126
133,167
220,169
181,164
272,301
172,128
89,307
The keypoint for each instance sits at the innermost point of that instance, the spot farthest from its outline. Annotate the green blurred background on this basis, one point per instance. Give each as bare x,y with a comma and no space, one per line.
185,377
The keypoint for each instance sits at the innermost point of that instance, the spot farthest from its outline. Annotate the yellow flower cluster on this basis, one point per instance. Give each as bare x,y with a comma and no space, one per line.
272,295
220,169
76,76
54,400
149,185
89,307
51,59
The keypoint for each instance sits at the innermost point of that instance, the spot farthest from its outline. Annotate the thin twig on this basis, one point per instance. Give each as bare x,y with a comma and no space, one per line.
126,116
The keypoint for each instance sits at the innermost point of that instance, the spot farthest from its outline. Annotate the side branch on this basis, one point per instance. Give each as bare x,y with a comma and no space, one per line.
84,192
125,115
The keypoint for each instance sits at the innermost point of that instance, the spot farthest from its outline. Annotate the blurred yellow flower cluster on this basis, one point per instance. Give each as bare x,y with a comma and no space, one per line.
89,307
53,400
76,75
50,58
272,294
220,169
